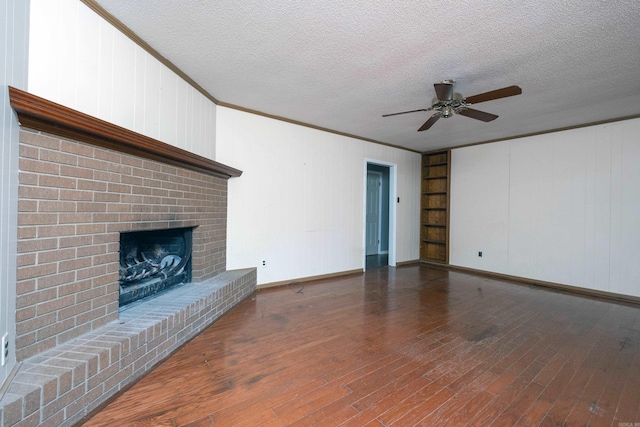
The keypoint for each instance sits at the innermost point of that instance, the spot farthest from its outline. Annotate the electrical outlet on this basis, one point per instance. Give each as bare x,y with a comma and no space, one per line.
480,254
5,349
264,263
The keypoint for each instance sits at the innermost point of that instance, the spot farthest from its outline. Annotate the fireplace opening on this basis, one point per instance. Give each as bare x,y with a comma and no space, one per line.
152,261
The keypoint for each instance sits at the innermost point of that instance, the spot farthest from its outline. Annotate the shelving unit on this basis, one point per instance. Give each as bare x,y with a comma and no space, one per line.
434,233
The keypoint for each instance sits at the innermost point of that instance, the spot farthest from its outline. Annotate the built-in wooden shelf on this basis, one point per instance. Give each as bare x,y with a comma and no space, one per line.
434,233
47,116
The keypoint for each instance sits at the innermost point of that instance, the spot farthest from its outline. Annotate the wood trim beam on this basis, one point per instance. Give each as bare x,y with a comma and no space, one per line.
47,116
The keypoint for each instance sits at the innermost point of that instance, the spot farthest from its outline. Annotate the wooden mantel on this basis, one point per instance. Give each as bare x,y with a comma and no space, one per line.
43,115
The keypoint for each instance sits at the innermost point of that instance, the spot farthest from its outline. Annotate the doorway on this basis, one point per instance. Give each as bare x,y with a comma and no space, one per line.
374,212
377,215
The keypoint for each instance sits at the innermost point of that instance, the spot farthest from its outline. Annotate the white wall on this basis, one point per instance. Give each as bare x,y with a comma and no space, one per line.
14,27
561,207
79,60
299,202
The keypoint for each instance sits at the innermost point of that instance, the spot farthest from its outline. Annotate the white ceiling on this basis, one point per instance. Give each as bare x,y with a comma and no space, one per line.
342,64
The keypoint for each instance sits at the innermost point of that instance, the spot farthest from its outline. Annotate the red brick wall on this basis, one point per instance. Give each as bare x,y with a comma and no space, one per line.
74,200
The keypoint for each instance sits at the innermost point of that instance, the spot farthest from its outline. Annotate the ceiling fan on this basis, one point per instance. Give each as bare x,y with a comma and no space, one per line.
447,102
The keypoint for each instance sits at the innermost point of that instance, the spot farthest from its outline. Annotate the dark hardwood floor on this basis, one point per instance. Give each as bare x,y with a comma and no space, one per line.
408,346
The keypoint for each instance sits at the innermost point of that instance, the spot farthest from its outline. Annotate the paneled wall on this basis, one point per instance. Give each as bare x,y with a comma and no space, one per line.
299,203
560,207
14,24
79,60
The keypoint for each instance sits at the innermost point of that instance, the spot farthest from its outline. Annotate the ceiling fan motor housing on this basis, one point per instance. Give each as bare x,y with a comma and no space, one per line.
447,107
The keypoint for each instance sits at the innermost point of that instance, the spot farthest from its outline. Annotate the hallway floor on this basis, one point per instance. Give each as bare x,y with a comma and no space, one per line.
375,261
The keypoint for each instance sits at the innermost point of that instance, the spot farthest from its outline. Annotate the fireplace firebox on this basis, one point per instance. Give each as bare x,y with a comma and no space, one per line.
152,261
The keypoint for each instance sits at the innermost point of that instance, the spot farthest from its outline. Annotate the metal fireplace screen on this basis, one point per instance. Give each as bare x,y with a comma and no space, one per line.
151,261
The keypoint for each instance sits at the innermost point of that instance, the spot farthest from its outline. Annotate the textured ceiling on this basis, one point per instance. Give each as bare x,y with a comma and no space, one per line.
341,65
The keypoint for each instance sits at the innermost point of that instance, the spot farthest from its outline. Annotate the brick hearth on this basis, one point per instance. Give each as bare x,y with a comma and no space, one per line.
61,386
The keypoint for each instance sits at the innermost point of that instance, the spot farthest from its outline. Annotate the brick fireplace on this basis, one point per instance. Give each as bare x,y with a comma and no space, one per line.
82,183
74,201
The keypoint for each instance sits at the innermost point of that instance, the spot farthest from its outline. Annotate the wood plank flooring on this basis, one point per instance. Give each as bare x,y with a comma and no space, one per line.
408,346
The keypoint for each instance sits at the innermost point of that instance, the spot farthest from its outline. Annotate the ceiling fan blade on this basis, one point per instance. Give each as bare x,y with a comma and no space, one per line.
405,112
477,114
429,122
444,91
494,94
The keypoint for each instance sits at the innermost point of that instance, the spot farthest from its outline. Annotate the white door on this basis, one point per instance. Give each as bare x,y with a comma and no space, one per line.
374,183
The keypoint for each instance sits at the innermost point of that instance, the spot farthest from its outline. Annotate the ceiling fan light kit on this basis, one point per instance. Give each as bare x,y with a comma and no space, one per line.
447,102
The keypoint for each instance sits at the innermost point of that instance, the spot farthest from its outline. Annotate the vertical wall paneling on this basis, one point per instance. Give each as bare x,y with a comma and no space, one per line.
44,57
630,208
123,87
181,113
168,106
522,186
14,27
574,155
152,98
560,211
87,70
190,110
590,161
67,16
478,172
299,203
138,90
615,253
81,61
563,207
211,123
602,208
